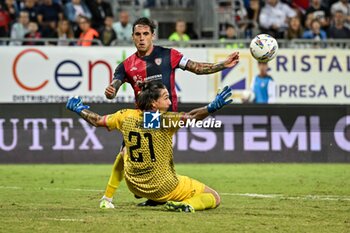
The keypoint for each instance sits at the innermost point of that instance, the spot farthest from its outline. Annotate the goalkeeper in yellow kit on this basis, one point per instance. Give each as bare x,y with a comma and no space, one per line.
148,164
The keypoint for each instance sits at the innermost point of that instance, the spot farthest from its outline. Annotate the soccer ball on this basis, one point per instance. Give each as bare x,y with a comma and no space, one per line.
263,48
248,96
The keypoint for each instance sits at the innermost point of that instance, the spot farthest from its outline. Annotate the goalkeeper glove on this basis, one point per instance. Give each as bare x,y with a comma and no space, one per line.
220,100
75,104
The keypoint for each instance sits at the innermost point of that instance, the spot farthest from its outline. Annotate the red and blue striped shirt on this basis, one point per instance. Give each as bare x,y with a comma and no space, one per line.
159,65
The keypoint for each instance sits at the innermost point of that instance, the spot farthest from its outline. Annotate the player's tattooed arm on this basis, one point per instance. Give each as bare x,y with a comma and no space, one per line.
204,68
112,89
209,68
93,118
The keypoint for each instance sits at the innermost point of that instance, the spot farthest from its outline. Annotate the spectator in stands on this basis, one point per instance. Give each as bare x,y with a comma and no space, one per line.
328,3
240,14
341,5
20,28
295,30
315,33
123,27
235,12
99,9
149,3
33,33
263,86
31,7
308,20
64,32
180,32
253,12
50,31
319,12
302,5
11,7
344,6
231,35
49,13
107,33
4,23
88,33
337,30
274,17
73,10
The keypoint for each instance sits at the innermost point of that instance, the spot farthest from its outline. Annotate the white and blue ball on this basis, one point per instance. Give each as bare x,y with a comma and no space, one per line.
264,48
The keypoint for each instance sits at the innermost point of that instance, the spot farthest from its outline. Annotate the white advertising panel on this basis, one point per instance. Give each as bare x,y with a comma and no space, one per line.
310,76
318,76
52,74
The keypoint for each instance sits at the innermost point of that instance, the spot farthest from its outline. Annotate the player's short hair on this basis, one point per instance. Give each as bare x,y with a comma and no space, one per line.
144,21
150,91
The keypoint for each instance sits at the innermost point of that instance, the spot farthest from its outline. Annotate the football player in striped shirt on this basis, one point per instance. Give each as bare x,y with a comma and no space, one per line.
149,63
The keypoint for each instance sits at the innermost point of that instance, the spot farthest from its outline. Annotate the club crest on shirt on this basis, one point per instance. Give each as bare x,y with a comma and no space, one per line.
158,61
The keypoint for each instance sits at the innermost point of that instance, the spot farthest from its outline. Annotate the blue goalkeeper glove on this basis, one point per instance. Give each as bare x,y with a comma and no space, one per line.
75,104
220,100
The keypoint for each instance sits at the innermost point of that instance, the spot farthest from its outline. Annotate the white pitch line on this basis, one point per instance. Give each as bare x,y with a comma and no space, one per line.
253,195
78,190
66,219
280,196
10,187
58,189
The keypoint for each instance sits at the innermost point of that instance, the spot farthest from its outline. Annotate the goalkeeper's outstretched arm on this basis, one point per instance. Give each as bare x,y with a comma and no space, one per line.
93,118
75,104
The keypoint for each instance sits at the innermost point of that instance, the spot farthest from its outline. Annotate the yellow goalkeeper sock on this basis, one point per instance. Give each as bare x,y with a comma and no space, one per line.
116,176
202,201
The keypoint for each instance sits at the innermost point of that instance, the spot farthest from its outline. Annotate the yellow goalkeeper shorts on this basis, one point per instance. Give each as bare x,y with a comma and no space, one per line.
186,189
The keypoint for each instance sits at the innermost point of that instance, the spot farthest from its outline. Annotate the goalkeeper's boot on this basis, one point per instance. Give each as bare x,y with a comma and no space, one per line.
150,203
179,207
106,204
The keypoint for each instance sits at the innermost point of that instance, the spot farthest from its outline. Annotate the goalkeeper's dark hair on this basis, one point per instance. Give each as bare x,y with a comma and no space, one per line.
144,21
150,91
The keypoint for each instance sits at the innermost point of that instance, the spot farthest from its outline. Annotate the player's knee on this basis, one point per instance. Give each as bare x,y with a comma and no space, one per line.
215,194
217,199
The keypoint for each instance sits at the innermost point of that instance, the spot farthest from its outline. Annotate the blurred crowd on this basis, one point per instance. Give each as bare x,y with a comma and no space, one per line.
287,19
62,20
88,20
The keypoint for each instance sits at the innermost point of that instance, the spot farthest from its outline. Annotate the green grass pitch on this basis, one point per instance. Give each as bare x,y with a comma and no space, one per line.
65,198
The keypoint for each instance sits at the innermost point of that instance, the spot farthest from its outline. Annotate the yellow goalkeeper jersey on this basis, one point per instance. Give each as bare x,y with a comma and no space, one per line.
148,165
